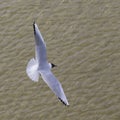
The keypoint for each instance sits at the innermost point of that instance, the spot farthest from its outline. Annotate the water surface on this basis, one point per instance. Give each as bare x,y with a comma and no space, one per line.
83,39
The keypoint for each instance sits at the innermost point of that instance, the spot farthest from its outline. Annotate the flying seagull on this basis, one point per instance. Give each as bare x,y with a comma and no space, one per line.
39,66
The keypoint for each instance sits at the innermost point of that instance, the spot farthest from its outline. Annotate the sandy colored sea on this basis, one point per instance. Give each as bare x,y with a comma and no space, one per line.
82,39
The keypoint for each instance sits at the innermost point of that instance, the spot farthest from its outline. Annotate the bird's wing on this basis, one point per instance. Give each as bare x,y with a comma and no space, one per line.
54,85
40,46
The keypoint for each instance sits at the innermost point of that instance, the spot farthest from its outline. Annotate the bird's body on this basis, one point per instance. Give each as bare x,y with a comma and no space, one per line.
40,66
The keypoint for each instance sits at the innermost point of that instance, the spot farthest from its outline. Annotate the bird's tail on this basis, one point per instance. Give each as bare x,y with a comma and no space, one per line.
32,70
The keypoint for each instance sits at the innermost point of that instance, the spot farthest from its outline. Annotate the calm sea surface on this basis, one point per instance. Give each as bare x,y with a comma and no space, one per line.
83,39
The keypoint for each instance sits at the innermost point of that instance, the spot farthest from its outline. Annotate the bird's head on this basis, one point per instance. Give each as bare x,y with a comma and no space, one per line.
53,65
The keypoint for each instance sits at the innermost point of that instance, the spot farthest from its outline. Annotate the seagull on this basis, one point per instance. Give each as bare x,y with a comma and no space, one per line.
39,66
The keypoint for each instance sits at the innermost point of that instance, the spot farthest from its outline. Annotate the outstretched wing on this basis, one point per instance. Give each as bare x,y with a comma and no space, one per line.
40,46
54,85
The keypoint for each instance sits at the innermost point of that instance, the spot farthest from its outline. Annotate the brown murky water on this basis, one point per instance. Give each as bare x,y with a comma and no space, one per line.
83,39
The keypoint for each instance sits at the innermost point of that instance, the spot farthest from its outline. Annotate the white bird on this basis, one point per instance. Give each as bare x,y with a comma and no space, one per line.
40,66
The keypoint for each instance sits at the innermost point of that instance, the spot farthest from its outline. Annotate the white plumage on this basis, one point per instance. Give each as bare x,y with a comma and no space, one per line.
40,66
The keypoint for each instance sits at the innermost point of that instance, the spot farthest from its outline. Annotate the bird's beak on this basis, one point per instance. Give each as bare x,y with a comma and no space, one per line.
53,65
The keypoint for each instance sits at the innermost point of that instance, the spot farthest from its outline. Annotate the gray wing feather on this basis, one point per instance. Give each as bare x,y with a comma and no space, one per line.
40,46
54,85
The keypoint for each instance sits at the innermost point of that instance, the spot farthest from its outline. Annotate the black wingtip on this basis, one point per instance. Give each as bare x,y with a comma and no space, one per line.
63,101
34,26
34,22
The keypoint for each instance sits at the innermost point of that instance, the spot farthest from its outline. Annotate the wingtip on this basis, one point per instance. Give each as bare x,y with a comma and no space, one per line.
34,26
34,22
66,104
